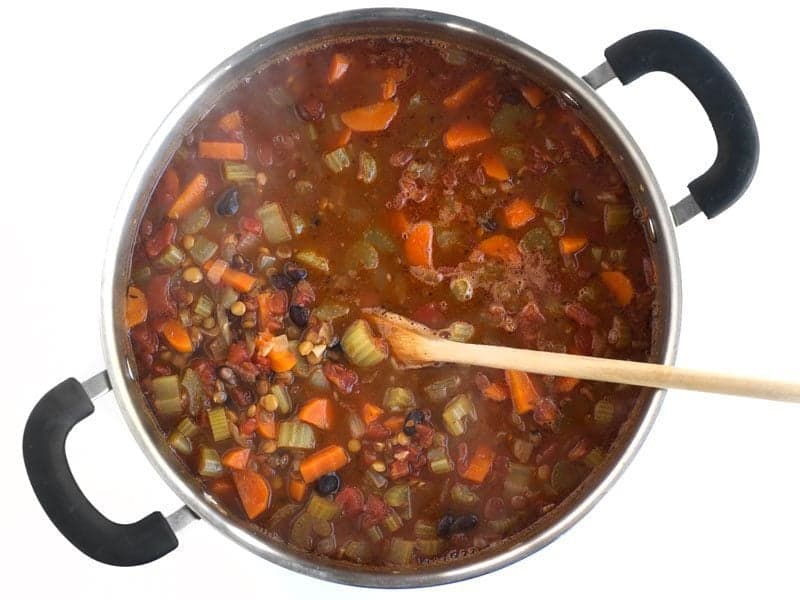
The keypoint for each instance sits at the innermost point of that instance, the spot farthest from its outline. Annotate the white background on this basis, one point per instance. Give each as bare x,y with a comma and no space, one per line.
709,506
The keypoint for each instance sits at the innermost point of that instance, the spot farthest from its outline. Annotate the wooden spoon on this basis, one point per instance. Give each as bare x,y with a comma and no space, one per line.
414,344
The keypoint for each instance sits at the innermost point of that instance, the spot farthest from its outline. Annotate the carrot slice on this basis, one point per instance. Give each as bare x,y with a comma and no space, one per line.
267,427
398,222
373,117
533,94
619,285
338,67
238,280
297,489
479,465
518,212
331,458
370,412
190,198
463,94
465,133
221,150
317,412
282,360
236,458
494,167
231,122
566,384
388,88
495,392
395,423
337,139
501,247
572,244
523,393
135,307
253,491
177,335
419,245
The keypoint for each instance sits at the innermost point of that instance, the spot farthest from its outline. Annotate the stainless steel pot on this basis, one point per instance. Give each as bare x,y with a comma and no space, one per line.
69,402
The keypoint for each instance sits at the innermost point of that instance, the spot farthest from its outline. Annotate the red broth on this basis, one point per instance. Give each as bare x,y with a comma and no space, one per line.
434,183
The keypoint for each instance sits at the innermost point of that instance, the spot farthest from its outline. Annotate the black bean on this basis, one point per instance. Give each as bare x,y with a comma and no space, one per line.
328,484
228,203
294,271
445,526
577,198
464,523
414,418
299,315
240,263
281,282
227,375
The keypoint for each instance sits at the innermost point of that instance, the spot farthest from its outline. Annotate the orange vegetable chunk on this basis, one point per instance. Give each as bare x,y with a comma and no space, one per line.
619,285
370,118
419,245
523,393
465,133
329,459
190,198
503,248
253,491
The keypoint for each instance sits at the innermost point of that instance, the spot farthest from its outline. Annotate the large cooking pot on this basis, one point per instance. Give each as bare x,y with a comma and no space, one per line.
70,402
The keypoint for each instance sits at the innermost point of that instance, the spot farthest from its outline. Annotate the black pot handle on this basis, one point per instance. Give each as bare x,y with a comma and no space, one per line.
46,431
720,96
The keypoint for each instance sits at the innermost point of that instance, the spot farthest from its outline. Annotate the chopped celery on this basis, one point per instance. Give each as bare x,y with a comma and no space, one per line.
454,56
522,450
459,331
457,412
439,461
301,534
619,335
218,421
615,217
181,443
322,528
311,259
374,479
361,255
594,458
447,238
463,494
398,496
358,551
510,120
361,346
312,132
375,533
279,96
537,239
367,168
392,521
355,426
441,389
284,399
203,249
303,186
398,400
337,160
513,156
566,476
425,529
142,274
196,221
380,240
400,551
237,172
461,287
617,255
298,224
517,479
187,427
426,275
276,228
209,463
556,227
415,101
548,202
603,412
317,380
204,306
171,257
430,547
296,434
282,514
322,508
227,297
502,526
167,396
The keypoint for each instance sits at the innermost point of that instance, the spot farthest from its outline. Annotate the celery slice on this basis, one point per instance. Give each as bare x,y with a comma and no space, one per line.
237,172
322,508
296,434
361,346
209,463
218,421
276,228
401,551
203,249
311,259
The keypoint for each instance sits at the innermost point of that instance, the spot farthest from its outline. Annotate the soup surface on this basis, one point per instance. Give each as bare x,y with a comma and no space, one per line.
425,180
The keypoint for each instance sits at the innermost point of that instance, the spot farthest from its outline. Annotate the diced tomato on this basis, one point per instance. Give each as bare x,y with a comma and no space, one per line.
351,499
251,225
343,378
237,353
155,245
430,314
160,303
249,427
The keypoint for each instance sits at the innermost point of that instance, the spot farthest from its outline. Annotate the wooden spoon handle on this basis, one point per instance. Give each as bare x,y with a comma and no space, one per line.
606,369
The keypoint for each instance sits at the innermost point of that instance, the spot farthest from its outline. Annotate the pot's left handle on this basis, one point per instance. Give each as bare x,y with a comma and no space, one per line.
43,443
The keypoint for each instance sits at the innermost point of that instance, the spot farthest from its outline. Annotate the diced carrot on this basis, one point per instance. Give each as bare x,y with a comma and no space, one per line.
338,67
331,458
370,412
238,280
253,491
135,307
168,188
495,392
267,427
398,222
523,393
572,244
588,140
463,94
465,133
418,245
518,212
480,464
619,285
177,336
318,412
533,94
221,150
337,139
494,167
282,360
388,88
231,122
236,458
373,117
501,247
297,489
566,384
190,198
394,423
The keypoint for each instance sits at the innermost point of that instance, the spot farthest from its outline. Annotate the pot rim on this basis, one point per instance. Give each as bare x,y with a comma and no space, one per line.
124,222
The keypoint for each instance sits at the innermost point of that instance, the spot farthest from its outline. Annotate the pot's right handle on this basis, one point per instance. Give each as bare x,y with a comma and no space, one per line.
43,442
719,95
